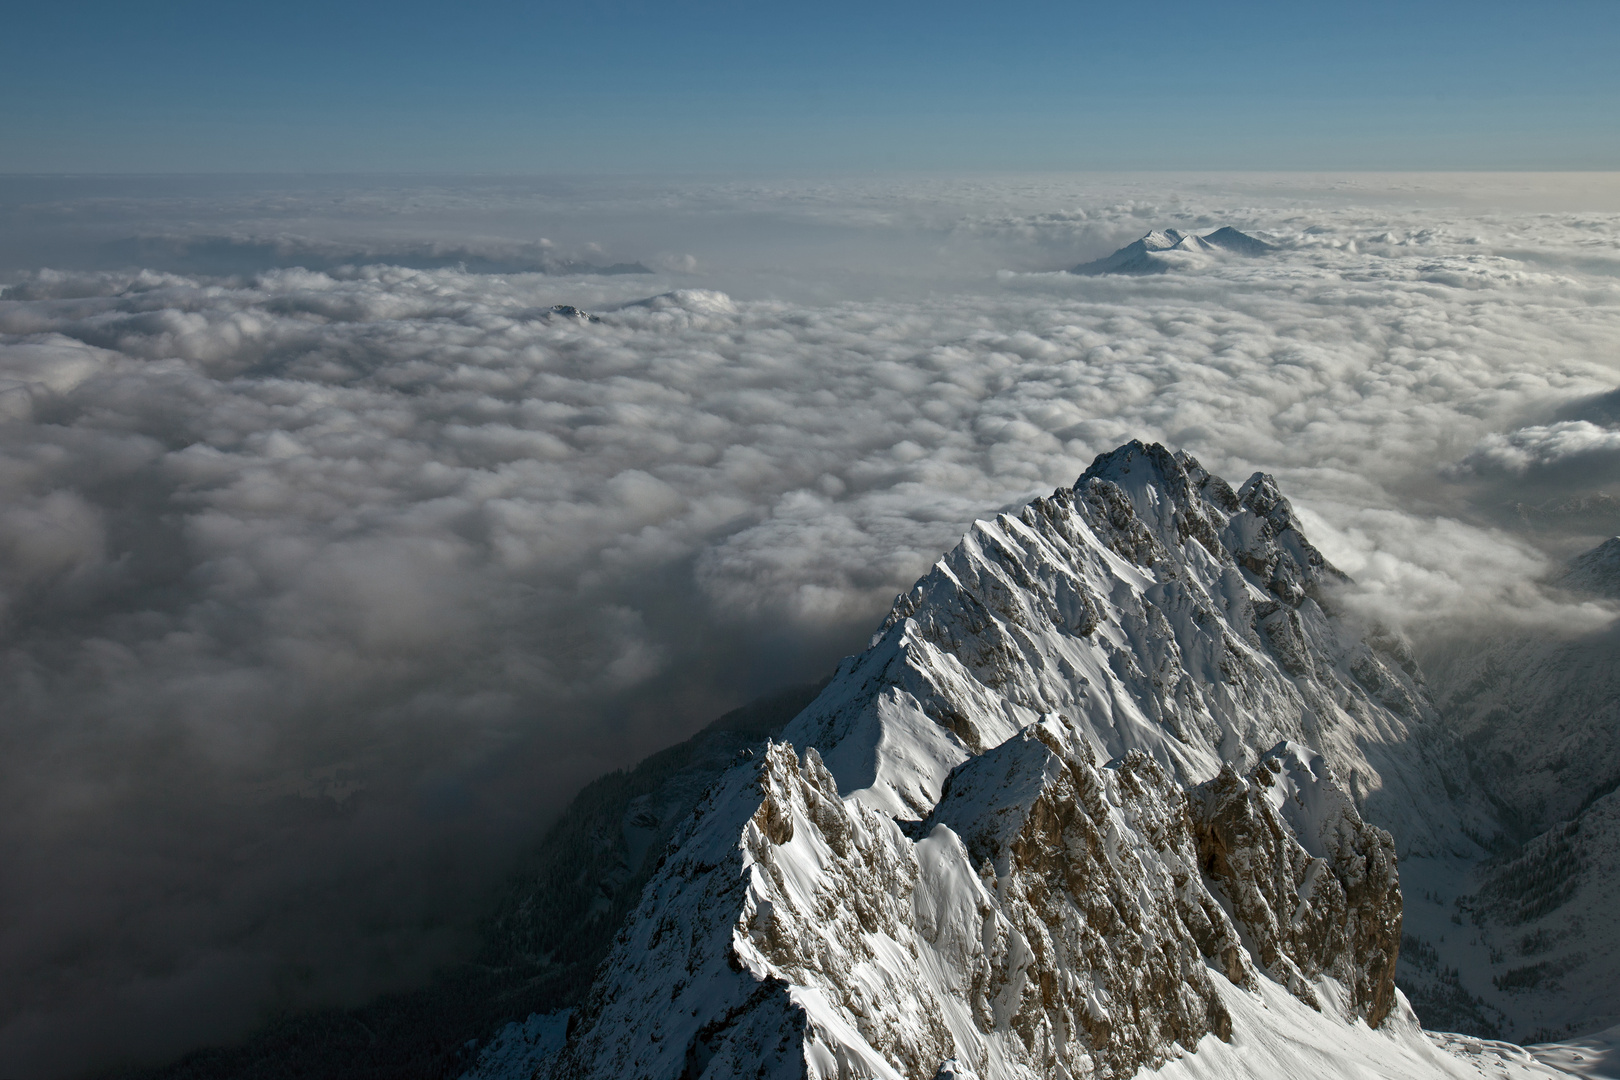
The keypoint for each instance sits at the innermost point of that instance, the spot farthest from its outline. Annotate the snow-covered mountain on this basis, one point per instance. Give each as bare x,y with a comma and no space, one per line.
1097,793
1051,920
1148,255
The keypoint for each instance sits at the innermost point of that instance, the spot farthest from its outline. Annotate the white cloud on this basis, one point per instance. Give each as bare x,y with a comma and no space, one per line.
401,524
1518,452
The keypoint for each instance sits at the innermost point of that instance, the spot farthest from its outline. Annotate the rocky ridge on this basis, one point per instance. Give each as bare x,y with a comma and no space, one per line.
1065,931
1088,771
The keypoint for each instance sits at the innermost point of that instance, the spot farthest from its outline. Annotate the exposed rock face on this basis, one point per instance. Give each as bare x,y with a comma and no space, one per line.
1313,884
994,859
1052,921
1095,871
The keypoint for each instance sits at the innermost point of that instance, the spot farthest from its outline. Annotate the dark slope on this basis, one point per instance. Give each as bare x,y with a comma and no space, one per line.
1538,714
543,940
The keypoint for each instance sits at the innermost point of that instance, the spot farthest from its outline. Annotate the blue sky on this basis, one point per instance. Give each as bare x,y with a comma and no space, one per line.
354,85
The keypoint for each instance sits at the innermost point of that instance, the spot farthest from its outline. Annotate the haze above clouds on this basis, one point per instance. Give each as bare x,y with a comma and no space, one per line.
322,589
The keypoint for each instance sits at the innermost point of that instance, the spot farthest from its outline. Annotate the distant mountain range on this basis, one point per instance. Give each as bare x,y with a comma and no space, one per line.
226,255
1148,255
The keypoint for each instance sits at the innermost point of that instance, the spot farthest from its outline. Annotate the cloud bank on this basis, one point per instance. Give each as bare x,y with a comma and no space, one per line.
1542,445
320,590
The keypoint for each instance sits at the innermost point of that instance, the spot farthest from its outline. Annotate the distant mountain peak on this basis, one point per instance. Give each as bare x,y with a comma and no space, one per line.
1229,239
1144,256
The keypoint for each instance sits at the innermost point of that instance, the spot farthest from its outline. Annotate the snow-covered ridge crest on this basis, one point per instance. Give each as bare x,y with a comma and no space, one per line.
1155,609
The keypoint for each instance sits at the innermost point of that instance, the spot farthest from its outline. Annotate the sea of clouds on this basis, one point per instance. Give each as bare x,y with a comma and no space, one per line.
333,560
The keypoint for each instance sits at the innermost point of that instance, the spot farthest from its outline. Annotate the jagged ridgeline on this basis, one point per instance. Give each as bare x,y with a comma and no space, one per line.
1103,775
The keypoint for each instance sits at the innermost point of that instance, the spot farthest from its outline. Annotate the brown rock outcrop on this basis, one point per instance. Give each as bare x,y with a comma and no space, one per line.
1313,884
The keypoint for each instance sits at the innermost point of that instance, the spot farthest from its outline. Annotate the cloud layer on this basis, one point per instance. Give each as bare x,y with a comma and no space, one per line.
320,590
1541,446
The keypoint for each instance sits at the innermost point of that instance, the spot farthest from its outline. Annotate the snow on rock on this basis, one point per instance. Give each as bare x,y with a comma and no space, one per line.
1095,872
775,941
1149,254
1051,922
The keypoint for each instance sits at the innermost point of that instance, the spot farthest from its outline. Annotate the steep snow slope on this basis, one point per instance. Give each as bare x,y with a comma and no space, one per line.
1071,814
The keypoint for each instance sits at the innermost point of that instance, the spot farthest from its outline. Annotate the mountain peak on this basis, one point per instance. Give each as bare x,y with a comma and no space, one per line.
1148,564
1112,464
1146,256
1093,793
1170,239
1229,239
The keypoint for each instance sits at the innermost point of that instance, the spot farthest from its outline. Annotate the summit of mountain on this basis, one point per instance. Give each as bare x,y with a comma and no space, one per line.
1148,255
1107,781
